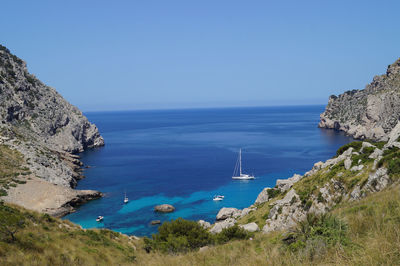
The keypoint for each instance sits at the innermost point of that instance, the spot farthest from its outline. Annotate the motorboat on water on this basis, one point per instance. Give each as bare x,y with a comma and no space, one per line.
218,198
99,218
237,172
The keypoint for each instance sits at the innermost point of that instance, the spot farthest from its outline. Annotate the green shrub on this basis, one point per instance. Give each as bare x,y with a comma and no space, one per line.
326,229
356,145
179,236
232,233
394,167
273,192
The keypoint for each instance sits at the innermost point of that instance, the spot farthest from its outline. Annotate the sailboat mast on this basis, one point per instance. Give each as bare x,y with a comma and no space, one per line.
240,161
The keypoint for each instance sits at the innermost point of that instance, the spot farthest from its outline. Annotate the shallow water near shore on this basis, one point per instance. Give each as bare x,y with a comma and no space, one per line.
185,157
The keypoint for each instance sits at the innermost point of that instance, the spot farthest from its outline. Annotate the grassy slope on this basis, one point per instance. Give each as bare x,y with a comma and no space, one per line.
48,241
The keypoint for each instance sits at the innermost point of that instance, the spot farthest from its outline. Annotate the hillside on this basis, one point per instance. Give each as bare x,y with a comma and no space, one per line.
357,228
40,129
370,113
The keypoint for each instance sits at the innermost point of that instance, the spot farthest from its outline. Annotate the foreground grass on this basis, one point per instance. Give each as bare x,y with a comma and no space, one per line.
373,238
43,240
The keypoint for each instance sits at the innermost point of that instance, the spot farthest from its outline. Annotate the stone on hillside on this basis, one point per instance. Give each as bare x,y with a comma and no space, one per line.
365,145
378,180
250,227
225,213
219,226
357,168
347,163
246,211
164,208
285,184
204,224
377,152
394,134
263,196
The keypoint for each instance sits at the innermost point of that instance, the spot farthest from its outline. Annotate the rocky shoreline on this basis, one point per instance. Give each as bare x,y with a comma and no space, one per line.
287,203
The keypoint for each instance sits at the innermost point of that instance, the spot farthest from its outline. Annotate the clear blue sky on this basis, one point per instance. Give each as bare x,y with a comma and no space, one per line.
110,55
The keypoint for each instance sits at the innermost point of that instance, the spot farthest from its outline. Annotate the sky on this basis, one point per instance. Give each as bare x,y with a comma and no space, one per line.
124,55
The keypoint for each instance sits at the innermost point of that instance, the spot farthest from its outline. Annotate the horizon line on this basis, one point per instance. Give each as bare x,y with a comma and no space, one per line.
200,108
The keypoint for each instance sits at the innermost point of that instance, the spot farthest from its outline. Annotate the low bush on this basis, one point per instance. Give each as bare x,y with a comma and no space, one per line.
317,231
179,236
356,145
232,233
394,167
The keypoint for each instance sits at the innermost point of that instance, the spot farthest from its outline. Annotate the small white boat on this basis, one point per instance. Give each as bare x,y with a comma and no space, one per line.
126,200
218,198
99,218
237,172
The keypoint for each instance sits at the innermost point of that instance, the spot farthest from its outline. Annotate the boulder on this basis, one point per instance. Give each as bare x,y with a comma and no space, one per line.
377,152
263,196
225,213
347,163
378,180
204,224
219,226
365,145
250,227
357,168
164,208
285,184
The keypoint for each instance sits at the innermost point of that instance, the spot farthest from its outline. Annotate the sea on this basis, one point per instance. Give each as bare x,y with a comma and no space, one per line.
185,157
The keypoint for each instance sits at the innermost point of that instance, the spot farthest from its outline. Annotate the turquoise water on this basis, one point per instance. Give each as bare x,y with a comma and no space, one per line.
185,157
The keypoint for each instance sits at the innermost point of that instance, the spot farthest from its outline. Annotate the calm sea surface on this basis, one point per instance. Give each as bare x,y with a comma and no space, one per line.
185,157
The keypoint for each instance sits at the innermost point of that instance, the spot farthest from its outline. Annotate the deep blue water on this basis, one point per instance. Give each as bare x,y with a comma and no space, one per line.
184,157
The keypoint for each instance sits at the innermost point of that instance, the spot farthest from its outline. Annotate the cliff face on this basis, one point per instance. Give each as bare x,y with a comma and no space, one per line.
41,124
370,113
29,104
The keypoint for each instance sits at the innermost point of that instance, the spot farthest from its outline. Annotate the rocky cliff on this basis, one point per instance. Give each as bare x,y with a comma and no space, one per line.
42,126
370,113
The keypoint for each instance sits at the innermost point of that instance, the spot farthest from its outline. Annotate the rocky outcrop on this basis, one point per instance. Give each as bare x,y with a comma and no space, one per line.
219,226
164,208
41,124
225,213
39,111
370,113
250,227
285,184
263,196
204,224
47,130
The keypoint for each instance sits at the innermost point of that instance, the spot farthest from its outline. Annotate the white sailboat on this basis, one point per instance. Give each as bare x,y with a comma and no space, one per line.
237,172
126,199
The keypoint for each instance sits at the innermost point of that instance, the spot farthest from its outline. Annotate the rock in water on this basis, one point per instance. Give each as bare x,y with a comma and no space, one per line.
370,113
164,208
